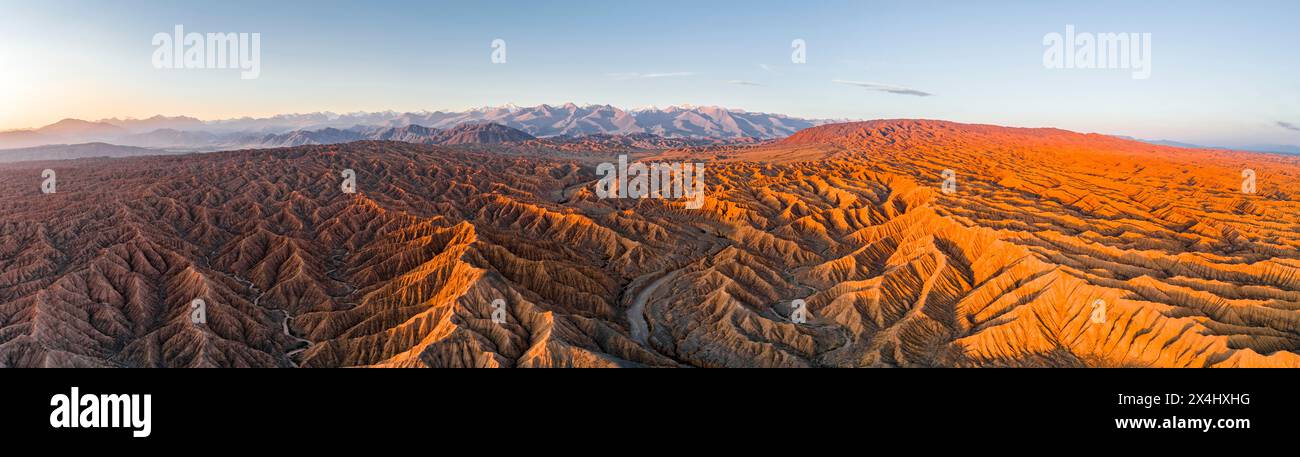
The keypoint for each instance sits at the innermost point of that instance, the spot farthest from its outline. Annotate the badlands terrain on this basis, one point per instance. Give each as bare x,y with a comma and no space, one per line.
1044,248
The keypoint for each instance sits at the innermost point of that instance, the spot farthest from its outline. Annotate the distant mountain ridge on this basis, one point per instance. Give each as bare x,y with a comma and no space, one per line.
475,133
74,151
187,133
478,133
550,120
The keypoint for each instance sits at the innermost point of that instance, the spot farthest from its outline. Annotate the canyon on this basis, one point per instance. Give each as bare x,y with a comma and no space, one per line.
850,218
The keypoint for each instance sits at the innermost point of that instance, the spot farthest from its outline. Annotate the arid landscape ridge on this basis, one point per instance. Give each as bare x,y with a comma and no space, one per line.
907,243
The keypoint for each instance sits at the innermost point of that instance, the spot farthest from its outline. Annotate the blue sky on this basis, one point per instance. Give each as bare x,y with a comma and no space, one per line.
1223,73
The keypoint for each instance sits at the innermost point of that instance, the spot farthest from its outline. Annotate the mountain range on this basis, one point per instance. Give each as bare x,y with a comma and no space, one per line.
189,134
474,133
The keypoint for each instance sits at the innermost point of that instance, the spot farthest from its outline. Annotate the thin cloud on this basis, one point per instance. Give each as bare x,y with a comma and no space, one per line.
884,88
744,83
1288,126
623,76
765,67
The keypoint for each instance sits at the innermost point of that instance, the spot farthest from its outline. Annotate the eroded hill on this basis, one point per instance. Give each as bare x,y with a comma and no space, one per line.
451,257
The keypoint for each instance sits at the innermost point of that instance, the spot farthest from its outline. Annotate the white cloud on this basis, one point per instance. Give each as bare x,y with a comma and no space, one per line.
884,88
